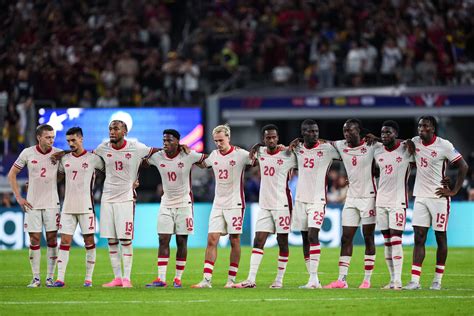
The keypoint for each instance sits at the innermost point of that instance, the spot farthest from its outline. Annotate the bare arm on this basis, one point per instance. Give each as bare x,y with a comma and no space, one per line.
462,171
12,175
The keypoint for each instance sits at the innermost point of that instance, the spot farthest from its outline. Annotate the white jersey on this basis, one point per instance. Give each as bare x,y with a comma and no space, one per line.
394,168
358,162
42,177
229,175
175,175
313,166
79,174
431,162
121,169
275,172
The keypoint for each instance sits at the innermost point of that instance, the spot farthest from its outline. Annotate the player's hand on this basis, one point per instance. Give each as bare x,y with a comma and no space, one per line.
281,147
136,184
446,182
322,141
254,149
185,148
24,204
295,142
57,156
410,146
144,164
444,192
370,139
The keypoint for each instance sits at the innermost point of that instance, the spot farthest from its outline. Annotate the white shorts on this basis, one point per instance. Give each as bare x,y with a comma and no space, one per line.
307,215
277,221
176,220
391,218
358,211
431,212
69,223
226,221
116,220
36,218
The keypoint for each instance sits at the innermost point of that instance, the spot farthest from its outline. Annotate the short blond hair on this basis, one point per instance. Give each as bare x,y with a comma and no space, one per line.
222,128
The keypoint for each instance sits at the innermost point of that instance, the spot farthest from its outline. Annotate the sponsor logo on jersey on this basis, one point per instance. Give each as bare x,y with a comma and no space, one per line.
67,165
301,151
346,150
109,155
34,161
162,165
381,159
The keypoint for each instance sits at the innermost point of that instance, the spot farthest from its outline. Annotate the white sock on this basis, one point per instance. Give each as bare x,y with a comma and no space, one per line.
344,263
255,260
397,256
35,260
90,261
314,256
115,258
439,271
282,262
127,258
388,256
369,263
52,254
233,269
180,265
162,267
415,272
63,259
306,262
208,269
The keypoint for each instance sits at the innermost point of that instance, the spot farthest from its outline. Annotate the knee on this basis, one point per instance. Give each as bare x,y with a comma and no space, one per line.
181,242
282,239
163,240
35,240
212,241
369,238
235,241
345,240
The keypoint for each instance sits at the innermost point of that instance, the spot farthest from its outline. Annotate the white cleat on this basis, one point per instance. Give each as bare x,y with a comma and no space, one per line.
388,286
397,285
247,284
435,286
311,285
229,285
276,285
204,284
34,283
412,286
49,282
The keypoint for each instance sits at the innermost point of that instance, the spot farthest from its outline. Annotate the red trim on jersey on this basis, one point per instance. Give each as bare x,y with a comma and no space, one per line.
326,184
133,227
430,142
394,148
92,195
38,148
81,154
288,194
242,194
17,166
277,151
373,177
456,159
121,147
315,145
172,157
362,142
448,202
407,175
228,152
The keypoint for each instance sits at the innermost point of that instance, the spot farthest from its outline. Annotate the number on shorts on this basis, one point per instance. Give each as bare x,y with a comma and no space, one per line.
399,218
269,171
423,162
354,161
237,221
223,174
189,223
91,221
58,219
172,176
284,221
118,165
308,163
440,218
74,174
318,216
43,173
128,227
388,169
372,213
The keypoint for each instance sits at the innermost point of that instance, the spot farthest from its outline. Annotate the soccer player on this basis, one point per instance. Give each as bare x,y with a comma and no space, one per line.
41,205
176,208
122,159
314,161
393,161
359,208
275,205
79,167
228,164
432,202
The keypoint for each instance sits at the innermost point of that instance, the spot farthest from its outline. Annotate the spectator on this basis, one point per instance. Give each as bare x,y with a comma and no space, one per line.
108,100
282,73
127,71
405,73
426,71
190,73
171,73
355,61
370,53
23,87
325,66
391,57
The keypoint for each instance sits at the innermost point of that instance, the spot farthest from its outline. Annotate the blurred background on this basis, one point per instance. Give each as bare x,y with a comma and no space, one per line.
192,65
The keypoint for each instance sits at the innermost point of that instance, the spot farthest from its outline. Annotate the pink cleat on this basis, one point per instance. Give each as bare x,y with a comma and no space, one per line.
338,284
117,282
365,285
126,283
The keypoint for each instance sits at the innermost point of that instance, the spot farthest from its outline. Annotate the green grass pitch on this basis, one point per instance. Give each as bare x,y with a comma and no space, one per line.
456,298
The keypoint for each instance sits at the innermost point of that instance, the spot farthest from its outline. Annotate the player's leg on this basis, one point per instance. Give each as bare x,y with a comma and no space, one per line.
209,260
383,225
397,257
107,230
89,244
234,259
315,218
305,245
439,209
181,255
282,239
165,228
35,258
63,257
51,219
369,257
299,223
418,257
124,216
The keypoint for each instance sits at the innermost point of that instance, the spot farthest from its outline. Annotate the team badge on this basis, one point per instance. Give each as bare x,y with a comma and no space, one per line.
280,162
320,154
301,151
128,155
215,163
232,163
261,158
180,165
399,159
434,154
346,150
85,165
363,150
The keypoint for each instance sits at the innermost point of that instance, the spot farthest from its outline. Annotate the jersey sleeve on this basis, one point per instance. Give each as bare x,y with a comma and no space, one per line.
22,160
334,152
451,153
98,163
61,166
209,160
99,150
143,150
245,156
196,157
153,160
